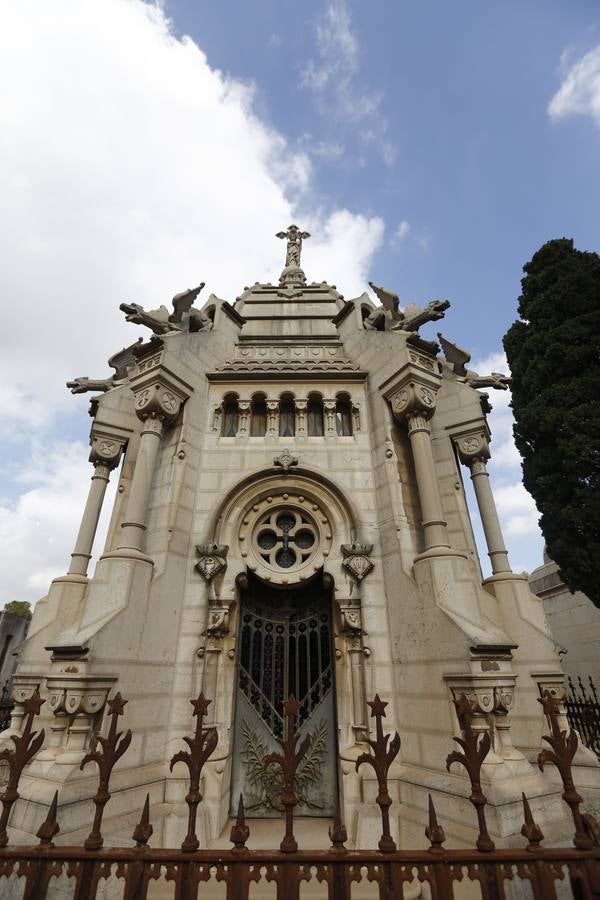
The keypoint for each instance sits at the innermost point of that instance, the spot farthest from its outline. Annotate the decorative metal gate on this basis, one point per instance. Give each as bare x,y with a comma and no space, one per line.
285,649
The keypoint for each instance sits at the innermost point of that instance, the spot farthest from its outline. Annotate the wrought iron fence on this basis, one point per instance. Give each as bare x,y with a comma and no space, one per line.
583,711
86,871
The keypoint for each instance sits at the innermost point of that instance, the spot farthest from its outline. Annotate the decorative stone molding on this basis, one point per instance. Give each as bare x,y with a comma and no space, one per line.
217,417
412,399
355,418
554,684
356,559
213,559
23,689
218,622
491,695
76,702
285,460
351,621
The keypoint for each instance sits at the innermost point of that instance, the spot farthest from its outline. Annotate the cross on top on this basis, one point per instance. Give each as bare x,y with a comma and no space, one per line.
294,239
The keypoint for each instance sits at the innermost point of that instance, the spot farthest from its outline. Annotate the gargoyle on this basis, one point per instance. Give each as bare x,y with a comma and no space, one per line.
493,380
381,319
121,362
392,318
458,359
183,318
415,316
157,320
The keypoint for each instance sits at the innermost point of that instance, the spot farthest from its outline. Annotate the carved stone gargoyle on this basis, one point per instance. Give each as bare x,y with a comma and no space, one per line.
391,318
121,362
458,358
183,318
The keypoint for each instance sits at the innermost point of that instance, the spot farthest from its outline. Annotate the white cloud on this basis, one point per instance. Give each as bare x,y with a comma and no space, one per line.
400,233
579,92
129,169
334,77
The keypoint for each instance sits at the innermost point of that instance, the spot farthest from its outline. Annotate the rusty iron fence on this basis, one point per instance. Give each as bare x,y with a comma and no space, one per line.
583,711
35,872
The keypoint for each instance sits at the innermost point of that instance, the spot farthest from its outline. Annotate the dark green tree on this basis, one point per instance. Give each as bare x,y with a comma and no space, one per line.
554,356
19,608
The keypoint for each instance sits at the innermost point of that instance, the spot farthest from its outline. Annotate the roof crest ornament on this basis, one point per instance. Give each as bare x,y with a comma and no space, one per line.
292,274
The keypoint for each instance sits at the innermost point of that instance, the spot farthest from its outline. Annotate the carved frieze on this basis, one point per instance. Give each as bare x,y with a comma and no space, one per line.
297,358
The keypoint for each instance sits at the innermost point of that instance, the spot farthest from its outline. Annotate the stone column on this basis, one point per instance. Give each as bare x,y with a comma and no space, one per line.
244,418
329,412
352,631
105,456
301,411
272,418
474,452
156,406
414,404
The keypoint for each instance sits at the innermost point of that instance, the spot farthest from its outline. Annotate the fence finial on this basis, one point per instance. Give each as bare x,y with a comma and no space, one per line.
564,748
27,745
143,830
201,746
240,831
289,761
49,827
113,747
472,758
434,832
381,759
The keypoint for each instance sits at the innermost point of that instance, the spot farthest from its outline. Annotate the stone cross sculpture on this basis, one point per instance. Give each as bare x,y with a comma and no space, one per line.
294,239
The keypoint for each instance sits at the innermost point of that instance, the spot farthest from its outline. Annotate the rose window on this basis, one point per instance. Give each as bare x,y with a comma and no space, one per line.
285,538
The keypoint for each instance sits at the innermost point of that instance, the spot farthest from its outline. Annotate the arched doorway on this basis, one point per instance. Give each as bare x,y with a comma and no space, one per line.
285,647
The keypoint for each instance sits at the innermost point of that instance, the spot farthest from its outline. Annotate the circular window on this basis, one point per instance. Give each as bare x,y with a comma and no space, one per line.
285,538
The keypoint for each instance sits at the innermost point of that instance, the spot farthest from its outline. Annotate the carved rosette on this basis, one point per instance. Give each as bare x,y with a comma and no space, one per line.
213,559
473,447
356,559
157,400
414,399
106,450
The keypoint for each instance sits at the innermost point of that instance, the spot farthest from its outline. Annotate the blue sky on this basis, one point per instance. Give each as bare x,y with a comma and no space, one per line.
430,147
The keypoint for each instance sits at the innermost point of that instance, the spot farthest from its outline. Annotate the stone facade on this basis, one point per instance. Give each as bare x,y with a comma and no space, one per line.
574,622
284,402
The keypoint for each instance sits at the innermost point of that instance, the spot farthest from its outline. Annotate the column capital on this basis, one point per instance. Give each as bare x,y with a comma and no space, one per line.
412,392
159,394
106,449
473,446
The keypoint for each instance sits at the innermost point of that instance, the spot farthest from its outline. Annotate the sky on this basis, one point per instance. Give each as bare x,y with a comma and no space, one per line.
429,147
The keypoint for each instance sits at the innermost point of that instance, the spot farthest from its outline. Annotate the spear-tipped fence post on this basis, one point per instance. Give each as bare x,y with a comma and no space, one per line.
531,830
381,759
239,830
289,761
113,746
27,745
564,748
201,747
49,827
472,758
143,830
434,832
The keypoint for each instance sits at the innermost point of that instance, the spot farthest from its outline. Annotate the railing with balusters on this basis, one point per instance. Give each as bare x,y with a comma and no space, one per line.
188,871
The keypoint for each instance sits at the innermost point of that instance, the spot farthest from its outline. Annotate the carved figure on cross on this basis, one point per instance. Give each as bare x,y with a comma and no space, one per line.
294,239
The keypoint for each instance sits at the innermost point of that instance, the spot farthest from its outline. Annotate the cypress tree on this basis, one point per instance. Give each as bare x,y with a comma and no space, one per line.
554,355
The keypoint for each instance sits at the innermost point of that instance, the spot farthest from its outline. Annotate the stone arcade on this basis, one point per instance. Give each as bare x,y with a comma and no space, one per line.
290,518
